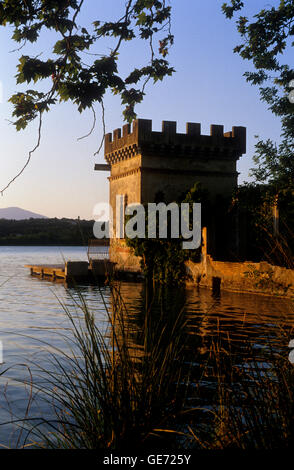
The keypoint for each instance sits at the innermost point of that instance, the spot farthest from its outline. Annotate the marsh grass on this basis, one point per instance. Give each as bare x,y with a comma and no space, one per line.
135,384
252,405
278,249
111,389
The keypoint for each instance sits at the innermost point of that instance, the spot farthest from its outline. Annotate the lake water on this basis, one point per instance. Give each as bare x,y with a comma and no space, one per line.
32,314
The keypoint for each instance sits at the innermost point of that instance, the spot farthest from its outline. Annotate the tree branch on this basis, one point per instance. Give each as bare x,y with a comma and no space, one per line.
29,157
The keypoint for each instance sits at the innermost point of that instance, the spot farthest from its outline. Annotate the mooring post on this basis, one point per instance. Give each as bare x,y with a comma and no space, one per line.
276,216
204,243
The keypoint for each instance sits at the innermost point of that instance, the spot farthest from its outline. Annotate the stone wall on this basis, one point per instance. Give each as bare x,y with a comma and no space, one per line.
125,180
246,277
123,257
144,163
262,278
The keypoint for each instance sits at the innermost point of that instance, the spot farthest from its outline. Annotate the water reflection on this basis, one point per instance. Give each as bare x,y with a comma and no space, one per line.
235,319
230,344
243,325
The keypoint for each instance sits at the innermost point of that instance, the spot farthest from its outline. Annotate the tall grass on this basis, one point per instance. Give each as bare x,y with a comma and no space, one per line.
113,390
278,249
141,383
251,402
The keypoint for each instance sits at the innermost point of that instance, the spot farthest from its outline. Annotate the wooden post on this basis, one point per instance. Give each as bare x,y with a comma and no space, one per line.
276,216
204,243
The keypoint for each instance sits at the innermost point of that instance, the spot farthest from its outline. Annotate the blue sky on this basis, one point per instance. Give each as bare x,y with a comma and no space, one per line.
208,87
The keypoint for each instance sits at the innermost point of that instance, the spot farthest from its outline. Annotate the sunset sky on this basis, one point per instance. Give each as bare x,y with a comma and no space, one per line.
208,87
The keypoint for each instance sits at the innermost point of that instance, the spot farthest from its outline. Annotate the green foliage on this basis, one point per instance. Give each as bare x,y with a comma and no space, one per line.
274,163
264,280
67,75
27,107
266,37
163,260
255,203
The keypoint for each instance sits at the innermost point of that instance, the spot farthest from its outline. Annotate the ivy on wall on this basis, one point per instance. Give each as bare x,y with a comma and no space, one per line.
163,260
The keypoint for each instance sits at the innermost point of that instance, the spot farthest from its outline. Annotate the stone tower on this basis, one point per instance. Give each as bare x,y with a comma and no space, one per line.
144,163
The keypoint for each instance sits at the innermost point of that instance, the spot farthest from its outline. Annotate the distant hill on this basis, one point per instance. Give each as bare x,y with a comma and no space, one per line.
15,213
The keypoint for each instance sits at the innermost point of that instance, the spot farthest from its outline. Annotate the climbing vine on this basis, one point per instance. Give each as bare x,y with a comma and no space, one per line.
163,260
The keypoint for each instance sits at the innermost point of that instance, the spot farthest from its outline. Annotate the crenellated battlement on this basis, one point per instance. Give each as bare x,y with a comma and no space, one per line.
130,141
148,166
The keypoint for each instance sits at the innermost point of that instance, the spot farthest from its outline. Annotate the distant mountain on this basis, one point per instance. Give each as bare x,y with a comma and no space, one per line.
15,213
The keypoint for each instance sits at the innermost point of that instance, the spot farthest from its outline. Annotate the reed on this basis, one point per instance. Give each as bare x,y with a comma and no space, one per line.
252,405
142,383
117,388
278,248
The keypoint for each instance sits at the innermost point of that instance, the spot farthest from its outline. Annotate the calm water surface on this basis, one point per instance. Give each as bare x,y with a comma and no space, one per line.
31,315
